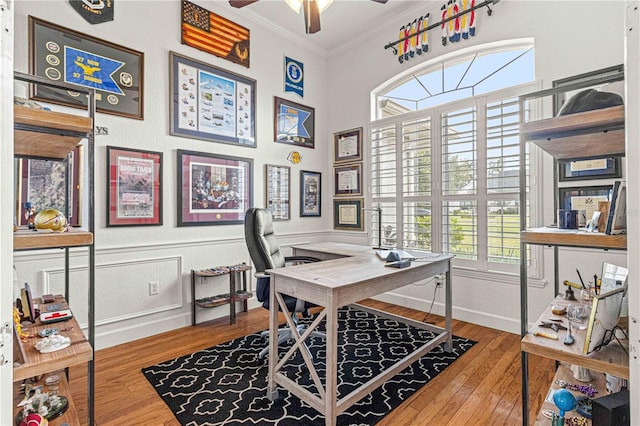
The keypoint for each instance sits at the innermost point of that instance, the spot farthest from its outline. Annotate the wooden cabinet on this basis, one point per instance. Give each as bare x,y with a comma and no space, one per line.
591,134
40,133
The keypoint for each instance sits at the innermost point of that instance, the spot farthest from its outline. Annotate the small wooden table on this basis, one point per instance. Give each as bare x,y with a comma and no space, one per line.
347,274
234,295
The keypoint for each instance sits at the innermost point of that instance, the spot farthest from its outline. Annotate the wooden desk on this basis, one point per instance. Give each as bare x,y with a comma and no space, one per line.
347,274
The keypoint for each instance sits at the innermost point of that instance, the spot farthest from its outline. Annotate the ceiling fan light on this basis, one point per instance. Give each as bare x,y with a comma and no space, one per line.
296,5
324,4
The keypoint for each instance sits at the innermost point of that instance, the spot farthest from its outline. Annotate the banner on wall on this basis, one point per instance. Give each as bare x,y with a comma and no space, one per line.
293,76
94,11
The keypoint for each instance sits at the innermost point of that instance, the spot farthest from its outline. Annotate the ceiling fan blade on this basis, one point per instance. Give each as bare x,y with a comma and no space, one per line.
311,16
241,3
380,1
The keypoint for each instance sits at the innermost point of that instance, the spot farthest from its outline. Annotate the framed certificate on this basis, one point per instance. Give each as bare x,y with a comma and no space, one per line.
347,145
347,214
348,179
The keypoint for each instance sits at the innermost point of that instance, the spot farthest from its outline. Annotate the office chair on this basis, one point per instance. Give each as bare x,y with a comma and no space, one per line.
266,254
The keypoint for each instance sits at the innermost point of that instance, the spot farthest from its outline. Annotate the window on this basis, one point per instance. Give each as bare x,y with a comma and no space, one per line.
454,167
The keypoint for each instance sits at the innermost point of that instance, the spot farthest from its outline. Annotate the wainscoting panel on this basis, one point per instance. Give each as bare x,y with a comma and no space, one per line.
122,288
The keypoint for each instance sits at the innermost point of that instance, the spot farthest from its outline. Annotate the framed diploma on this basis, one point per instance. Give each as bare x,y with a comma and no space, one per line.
347,214
348,179
347,146
597,168
134,192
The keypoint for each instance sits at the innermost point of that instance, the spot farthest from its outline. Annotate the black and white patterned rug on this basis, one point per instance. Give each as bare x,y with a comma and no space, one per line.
226,384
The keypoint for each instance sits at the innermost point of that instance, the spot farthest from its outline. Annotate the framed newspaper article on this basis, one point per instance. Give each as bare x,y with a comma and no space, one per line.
134,192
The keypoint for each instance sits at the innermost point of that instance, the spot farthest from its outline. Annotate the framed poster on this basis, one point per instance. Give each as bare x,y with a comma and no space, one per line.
134,187
310,193
293,123
583,198
347,214
597,168
348,179
213,189
278,179
42,184
347,145
210,103
61,54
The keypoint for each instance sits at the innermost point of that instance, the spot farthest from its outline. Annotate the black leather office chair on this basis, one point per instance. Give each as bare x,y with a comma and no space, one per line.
266,254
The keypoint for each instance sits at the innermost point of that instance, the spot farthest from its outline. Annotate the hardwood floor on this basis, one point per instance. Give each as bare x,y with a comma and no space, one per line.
481,388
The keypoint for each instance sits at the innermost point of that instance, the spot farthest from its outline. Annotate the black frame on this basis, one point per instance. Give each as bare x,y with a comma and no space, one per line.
282,129
359,223
612,170
307,194
48,42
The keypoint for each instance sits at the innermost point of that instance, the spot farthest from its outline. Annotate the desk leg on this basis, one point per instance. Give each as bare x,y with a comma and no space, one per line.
448,347
331,377
272,390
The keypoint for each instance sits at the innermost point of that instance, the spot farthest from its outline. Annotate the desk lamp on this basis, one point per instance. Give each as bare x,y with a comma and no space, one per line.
379,211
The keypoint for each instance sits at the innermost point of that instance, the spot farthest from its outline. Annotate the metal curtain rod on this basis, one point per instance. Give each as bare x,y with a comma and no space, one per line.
444,21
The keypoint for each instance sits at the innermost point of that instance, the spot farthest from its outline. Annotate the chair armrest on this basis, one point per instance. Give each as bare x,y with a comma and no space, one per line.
261,275
302,259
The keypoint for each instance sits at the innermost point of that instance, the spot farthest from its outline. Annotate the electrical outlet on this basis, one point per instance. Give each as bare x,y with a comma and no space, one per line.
154,288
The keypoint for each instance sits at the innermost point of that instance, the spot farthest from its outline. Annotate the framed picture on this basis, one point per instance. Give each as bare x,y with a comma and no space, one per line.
293,123
347,145
347,214
278,179
605,314
134,187
583,198
61,54
211,104
348,179
213,189
310,193
42,184
598,168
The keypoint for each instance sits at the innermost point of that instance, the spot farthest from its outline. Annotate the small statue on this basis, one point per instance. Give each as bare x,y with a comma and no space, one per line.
29,214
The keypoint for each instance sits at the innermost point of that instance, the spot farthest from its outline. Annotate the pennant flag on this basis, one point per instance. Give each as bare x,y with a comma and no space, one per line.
214,34
293,76
94,11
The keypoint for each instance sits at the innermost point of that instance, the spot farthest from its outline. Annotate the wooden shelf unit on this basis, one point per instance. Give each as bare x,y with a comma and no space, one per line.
590,134
70,416
236,273
40,133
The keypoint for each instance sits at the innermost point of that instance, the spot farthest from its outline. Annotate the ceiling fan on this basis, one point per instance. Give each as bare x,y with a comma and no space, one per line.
311,12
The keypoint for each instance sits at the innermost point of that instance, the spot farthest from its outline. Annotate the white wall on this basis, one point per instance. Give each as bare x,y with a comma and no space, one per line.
128,258
570,38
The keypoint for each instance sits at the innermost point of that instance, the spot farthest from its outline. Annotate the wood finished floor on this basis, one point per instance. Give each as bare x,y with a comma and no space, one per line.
481,388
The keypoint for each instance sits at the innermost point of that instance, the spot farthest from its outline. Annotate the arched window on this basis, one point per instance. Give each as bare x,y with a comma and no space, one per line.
445,155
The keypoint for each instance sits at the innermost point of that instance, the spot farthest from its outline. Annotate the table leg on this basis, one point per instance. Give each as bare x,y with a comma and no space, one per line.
448,309
331,377
272,390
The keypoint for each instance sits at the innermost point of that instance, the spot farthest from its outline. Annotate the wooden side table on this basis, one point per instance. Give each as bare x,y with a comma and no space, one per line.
236,273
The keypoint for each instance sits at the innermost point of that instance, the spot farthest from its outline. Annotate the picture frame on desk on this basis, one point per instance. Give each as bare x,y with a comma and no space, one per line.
617,220
213,189
597,168
278,191
134,187
42,183
583,198
605,313
62,54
